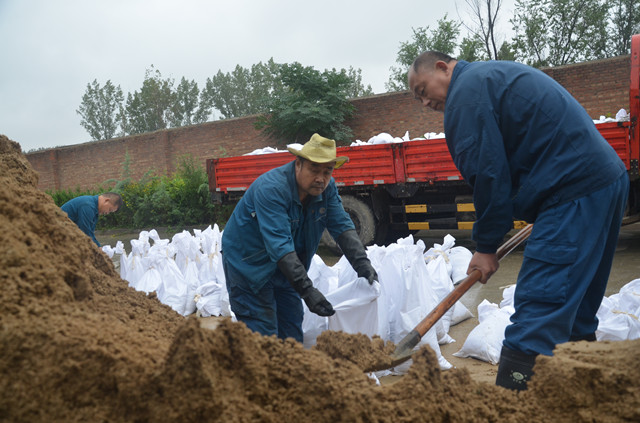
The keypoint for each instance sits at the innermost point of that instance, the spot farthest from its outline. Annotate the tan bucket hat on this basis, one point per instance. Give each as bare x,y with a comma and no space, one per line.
319,150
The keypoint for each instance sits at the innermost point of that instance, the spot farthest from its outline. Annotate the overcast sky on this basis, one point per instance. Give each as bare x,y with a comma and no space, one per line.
51,49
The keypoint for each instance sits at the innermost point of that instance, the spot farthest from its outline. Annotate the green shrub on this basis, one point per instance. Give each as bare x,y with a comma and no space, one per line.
181,199
62,196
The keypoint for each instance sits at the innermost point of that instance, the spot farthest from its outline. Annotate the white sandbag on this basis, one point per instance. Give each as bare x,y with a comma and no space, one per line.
162,249
381,138
403,274
192,282
612,325
312,326
459,257
375,255
460,313
211,256
438,271
356,308
133,269
150,281
507,296
173,290
632,290
345,273
142,243
187,248
124,265
484,342
325,279
207,299
619,314
108,250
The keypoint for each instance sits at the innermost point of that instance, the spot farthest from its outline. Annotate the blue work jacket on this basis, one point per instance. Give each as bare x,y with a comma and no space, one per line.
523,143
83,211
269,222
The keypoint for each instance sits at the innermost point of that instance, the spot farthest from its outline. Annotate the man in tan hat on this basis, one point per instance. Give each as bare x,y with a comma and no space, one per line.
274,232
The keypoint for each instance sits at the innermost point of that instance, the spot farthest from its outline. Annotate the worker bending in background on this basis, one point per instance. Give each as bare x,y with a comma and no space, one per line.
85,209
531,152
273,234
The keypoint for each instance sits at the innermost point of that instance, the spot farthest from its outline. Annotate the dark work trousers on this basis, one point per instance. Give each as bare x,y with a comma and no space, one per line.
565,270
274,310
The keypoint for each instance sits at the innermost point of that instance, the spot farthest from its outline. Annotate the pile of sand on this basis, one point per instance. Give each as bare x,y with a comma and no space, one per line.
78,345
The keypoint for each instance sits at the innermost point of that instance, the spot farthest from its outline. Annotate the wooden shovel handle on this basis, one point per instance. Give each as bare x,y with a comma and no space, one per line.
423,327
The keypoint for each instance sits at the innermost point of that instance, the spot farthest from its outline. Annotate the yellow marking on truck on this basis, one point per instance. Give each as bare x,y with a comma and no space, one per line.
416,208
418,226
465,225
466,207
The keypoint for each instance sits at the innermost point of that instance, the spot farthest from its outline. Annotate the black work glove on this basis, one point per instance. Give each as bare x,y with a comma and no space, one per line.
354,251
292,268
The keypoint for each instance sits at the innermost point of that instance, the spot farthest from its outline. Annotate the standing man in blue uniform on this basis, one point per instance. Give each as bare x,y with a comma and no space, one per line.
531,152
273,234
85,209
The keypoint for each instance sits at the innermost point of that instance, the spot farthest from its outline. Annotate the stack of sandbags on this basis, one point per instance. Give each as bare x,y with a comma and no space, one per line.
185,272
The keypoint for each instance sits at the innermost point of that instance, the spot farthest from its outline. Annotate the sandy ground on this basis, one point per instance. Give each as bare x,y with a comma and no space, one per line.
78,345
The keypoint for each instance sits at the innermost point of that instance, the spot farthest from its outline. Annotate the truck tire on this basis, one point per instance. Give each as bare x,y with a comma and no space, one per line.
362,217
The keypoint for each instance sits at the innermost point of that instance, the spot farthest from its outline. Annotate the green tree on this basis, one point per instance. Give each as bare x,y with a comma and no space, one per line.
484,16
442,39
506,52
100,110
356,88
242,92
309,101
625,21
150,109
559,32
471,49
187,108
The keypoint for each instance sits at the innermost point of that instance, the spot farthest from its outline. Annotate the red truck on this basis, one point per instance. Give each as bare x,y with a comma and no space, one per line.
391,190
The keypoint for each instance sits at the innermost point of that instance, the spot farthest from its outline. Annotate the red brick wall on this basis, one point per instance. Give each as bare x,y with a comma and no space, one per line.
601,86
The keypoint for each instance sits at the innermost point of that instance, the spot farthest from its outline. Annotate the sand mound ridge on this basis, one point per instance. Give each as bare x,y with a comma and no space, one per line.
77,344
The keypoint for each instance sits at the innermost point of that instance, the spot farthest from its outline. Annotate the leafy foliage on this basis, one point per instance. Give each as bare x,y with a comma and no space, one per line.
442,39
485,15
150,109
62,196
625,20
309,101
100,110
471,49
558,32
547,33
189,106
158,104
178,200
242,92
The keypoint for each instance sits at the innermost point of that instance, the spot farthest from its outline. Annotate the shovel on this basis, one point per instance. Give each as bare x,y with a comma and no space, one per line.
404,349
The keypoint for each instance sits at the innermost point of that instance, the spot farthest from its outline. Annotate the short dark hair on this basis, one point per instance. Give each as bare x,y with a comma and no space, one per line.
428,59
115,198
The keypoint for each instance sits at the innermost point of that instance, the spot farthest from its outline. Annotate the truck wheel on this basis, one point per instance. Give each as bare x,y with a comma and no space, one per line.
362,217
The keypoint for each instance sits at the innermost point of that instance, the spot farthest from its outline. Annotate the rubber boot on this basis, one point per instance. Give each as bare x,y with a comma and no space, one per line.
515,369
590,337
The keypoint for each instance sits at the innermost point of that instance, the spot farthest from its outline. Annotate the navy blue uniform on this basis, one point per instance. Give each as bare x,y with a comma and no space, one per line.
83,211
531,152
268,223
